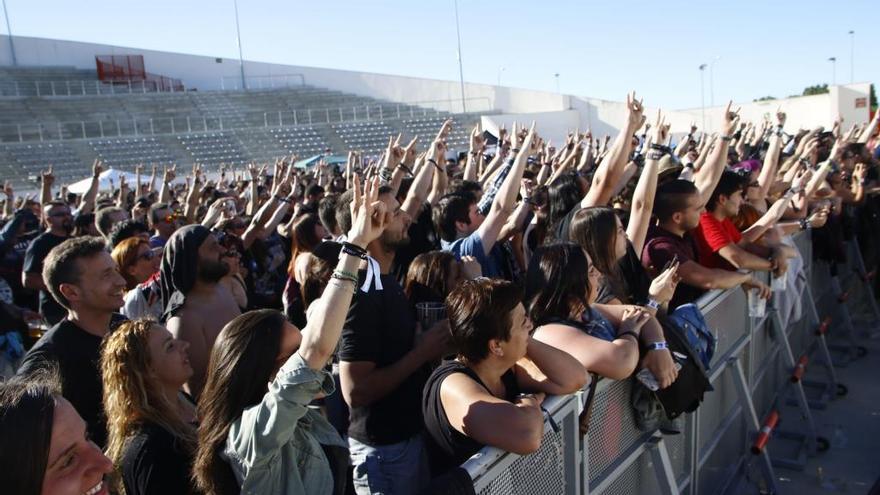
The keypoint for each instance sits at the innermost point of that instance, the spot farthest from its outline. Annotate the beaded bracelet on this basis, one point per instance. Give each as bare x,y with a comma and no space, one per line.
339,284
342,275
405,168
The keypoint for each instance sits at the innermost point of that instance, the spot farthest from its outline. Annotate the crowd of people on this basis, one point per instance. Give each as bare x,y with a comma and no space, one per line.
368,328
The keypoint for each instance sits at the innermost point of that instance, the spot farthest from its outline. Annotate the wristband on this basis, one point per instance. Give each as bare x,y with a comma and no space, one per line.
656,155
804,224
726,138
354,250
405,168
514,150
283,200
660,147
653,304
658,346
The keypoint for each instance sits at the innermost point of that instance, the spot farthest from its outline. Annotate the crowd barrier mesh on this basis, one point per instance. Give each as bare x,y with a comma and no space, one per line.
711,453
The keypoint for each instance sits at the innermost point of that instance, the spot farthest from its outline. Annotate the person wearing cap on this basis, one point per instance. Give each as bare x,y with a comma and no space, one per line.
197,305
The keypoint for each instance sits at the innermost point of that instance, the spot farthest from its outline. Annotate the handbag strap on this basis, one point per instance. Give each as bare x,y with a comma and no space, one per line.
584,418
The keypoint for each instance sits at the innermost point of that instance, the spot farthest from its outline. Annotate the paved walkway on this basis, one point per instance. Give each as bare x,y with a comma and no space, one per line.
852,424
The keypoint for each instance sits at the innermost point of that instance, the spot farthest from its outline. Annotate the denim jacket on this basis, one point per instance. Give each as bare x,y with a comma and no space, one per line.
275,446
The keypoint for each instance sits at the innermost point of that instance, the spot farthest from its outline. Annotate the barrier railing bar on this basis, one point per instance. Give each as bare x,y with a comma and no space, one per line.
662,464
623,461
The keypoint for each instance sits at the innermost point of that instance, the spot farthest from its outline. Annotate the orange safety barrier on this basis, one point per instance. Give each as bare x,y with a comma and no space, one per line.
766,430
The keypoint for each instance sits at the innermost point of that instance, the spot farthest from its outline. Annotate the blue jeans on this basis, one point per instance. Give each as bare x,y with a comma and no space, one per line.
396,469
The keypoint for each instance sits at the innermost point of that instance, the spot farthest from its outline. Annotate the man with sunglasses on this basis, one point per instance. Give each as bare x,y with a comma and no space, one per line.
59,225
163,223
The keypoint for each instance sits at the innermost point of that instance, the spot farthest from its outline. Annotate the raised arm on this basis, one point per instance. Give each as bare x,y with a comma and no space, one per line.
646,188
609,171
870,129
475,154
708,176
47,178
88,201
504,201
322,332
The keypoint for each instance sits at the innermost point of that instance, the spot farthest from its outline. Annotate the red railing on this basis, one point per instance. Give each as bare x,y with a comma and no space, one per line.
124,68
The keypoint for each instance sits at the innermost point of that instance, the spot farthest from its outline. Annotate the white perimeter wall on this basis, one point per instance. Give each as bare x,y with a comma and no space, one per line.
555,113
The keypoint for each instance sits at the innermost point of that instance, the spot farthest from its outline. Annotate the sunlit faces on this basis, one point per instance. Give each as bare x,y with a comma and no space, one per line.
620,240
396,224
100,286
75,466
689,218
59,218
212,267
145,264
476,218
169,359
730,205
521,329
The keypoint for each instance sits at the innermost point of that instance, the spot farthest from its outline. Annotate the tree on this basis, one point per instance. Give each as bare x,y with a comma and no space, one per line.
815,90
873,97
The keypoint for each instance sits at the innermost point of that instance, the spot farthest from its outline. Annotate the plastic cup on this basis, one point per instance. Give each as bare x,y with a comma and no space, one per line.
757,305
429,313
778,284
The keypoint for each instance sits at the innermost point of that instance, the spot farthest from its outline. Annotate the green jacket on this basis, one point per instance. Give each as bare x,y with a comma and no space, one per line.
275,446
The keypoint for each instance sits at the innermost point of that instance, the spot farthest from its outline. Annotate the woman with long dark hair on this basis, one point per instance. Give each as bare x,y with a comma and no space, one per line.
257,433
45,447
307,233
151,422
560,300
475,399
433,275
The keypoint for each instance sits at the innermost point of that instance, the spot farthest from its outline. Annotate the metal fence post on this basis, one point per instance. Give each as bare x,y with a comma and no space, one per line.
83,124
398,110
101,127
188,124
310,116
152,131
340,114
37,85
266,119
135,126
52,85
67,82
328,114
118,128
172,125
40,128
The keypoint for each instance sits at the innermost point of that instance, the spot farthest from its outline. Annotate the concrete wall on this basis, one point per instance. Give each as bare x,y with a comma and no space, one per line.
601,116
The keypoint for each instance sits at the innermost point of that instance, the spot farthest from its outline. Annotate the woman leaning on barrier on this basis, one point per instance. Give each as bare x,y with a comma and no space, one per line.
603,338
475,399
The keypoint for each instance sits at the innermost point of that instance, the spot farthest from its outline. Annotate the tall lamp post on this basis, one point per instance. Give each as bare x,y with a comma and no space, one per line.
833,61
460,70
852,56
9,30
703,93
712,81
238,40
500,70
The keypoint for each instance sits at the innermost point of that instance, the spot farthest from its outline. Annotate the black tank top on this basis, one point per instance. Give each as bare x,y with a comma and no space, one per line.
446,446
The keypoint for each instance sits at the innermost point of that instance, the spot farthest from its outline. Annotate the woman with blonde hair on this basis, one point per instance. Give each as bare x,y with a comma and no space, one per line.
151,422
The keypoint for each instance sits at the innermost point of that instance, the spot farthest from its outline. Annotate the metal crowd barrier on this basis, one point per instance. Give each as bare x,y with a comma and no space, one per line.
758,366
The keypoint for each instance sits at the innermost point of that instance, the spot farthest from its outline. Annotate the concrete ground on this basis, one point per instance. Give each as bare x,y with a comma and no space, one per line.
852,425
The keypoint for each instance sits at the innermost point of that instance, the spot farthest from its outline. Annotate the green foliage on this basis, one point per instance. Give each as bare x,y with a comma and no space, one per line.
815,90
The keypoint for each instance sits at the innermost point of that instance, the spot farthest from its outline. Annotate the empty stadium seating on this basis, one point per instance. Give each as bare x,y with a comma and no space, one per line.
69,129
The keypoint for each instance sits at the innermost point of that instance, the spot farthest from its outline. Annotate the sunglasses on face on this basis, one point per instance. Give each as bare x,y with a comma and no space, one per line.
147,255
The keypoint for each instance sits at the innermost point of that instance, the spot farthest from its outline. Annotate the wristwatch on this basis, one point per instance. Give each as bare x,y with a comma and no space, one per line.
656,346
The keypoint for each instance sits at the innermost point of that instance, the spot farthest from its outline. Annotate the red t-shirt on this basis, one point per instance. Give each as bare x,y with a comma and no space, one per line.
713,235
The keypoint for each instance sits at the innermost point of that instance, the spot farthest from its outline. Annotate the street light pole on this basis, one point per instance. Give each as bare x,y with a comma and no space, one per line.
9,30
833,61
238,40
460,70
500,70
703,93
852,56
712,81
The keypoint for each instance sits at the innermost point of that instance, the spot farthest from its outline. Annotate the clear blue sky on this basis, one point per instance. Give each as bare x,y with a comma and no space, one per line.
600,49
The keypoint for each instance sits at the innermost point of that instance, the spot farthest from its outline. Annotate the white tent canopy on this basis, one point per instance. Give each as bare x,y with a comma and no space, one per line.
104,180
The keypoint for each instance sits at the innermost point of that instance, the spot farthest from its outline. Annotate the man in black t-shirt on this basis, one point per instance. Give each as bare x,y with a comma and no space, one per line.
59,225
82,277
383,370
